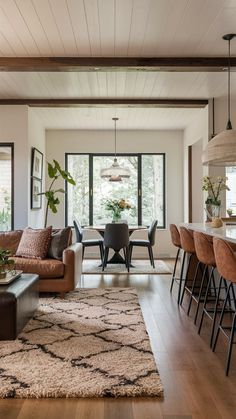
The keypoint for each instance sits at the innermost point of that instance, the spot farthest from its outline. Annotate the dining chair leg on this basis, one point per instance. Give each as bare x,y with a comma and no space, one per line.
101,251
130,253
105,257
127,258
150,255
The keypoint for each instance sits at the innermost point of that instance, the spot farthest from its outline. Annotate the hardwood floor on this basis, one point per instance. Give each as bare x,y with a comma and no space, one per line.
194,382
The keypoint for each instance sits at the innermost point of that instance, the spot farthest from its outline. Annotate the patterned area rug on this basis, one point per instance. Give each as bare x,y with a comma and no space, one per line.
91,266
92,344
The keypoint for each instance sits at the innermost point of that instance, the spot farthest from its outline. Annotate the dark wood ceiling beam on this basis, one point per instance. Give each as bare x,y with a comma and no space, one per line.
115,63
84,103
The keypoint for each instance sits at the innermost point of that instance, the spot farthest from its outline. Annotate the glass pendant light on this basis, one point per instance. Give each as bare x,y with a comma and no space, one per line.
221,150
115,173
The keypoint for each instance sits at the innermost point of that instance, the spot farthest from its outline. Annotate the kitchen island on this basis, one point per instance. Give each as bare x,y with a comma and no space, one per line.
226,232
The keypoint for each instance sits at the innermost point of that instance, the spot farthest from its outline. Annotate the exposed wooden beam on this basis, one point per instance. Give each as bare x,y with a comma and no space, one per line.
115,63
84,103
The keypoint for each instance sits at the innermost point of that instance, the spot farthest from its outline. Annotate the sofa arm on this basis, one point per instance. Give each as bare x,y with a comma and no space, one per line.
72,259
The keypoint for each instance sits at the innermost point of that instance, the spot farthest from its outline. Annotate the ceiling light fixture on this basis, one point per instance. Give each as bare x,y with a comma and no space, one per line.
221,150
115,173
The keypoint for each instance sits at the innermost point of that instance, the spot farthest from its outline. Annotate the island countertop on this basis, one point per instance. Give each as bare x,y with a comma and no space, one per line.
227,232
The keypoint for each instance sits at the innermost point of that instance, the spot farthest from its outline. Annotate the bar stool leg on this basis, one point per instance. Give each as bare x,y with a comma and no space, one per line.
231,341
174,271
186,279
193,288
200,292
215,312
181,277
205,303
221,319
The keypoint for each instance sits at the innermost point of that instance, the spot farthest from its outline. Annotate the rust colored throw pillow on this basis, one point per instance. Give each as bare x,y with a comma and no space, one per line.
34,243
10,240
59,241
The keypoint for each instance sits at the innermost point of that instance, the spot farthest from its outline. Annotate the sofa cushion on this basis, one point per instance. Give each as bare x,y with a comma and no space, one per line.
59,242
46,268
10,240
34,244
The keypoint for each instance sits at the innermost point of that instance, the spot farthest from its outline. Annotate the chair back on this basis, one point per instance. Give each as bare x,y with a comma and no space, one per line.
225,259
204,248
175,237
152,232
186,238
78,231
116,236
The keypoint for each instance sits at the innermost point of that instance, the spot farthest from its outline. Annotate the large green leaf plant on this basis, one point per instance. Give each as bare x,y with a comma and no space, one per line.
54,172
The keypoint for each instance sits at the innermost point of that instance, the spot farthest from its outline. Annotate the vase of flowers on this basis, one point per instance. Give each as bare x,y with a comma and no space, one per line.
6,264
117,207
214,186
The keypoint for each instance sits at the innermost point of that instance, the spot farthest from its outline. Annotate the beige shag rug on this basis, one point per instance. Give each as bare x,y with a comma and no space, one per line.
91,266
92,344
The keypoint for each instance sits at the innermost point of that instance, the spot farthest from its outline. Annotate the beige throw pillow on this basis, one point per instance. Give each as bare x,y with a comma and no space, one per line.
34,243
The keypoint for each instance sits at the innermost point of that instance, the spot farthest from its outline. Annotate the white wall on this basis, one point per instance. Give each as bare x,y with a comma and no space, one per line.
196,135
14,129
170,142
36,138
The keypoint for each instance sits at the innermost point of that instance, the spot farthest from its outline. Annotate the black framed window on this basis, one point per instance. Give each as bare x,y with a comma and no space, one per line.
145,189
6,186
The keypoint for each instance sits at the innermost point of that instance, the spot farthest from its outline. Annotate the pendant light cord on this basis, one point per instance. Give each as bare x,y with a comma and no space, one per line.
115,138
229,125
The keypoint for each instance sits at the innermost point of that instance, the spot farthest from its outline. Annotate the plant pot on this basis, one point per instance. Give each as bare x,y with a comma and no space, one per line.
3,275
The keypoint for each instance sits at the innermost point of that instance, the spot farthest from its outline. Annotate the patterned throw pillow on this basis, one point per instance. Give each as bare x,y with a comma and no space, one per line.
60,240
34,243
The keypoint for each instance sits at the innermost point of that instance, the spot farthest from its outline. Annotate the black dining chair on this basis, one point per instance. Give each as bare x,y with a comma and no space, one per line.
146,243
86,243
116,237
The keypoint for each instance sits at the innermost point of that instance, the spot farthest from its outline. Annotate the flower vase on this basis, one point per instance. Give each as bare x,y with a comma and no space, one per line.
213,215
116,217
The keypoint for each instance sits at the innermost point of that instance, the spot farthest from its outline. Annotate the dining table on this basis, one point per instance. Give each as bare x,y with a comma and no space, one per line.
116,258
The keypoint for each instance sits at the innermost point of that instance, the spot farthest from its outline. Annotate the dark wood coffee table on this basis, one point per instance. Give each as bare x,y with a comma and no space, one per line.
18,302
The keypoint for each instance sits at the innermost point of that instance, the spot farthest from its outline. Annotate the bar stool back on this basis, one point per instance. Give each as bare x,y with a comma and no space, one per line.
226,266
187,244
175,238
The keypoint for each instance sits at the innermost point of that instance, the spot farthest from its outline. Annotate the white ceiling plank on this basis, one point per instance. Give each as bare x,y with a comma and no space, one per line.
138,26
80,28
91,12
122,25
28,13
19,24
45,15
106,13
61,15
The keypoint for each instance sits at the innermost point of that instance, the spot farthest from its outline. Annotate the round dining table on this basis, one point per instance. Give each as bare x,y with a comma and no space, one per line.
116,258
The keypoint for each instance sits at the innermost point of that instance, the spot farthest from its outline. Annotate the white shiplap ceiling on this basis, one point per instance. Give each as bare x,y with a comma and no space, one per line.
115,27
34,28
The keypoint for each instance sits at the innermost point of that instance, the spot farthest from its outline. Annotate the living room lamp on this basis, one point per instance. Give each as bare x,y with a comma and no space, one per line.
221,150
115,173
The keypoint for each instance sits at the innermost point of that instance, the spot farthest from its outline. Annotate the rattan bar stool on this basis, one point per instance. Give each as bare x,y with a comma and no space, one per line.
175,238
187,244
226,266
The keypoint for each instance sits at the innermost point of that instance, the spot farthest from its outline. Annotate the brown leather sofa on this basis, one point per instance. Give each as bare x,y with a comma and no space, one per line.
54,275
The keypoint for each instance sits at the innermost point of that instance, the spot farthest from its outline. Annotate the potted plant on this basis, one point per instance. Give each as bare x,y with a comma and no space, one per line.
54,172
6,264
214,186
